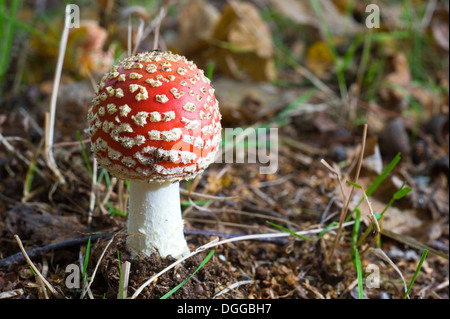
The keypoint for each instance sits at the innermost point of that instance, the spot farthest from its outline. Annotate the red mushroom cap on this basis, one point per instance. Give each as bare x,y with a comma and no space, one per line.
155,118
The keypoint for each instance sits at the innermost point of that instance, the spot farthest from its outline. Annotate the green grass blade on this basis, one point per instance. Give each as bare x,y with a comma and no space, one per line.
30,175
115,211
402,193
27,27
354,237
7,40
355,253
121,276
384,174
356,227
289,231
31,268
167,295
104,173
210,70
86,259
416,273
349,54
357,261
353,184
3,8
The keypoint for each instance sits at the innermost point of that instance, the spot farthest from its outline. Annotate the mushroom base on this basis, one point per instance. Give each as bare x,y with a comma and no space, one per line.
154,220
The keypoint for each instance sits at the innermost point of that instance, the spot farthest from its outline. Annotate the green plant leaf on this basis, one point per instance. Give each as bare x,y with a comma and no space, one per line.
402,193
86,259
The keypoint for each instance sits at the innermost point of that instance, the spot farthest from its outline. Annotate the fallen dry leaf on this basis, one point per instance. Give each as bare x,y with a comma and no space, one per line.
440,28
85,49
243,43
237,40
194,32
252,102
303,13
397,81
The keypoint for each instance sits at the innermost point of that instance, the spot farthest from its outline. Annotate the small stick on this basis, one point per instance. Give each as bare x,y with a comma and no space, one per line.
156,38
11,149
154,23
8,261
372,217
96,267
109,191
348,200
50,117
92,196
233,286
161,15
49,286
206,196
139,35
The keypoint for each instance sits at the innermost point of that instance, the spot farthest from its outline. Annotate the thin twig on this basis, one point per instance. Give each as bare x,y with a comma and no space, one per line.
233,286
92,195
348,200
38,273
155,26
206,196
11,149
38,251
50,117
381,254
338,176
96,267
207,233
139,33
372,217
431,7
84,280
156,35
109,191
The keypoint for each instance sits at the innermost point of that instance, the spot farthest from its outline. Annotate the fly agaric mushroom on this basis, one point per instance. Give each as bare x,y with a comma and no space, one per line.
155,121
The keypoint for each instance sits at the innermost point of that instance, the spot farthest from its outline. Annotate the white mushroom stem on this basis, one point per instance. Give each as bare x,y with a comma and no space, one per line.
154,220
